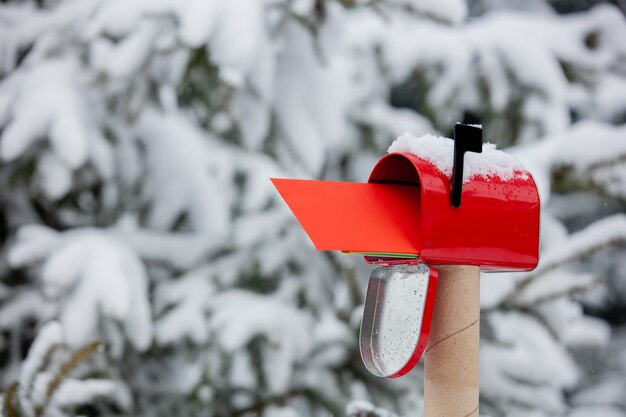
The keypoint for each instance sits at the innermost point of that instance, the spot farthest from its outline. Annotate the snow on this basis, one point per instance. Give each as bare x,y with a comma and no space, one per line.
494,288
587,332
183,308
335,339
554,284
394,120
184,250
553,232
440,152
576,151
53,108
197,20
52,100
84,391
453,11
178,161
55,176
233,49
365,409
42,240
609,99
602,411
237,327
131,55
311,114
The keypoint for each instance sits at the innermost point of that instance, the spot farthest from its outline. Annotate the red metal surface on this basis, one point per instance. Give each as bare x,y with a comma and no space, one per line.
426,321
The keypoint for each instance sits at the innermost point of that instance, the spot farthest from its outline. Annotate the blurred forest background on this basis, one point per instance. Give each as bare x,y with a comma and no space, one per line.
148,267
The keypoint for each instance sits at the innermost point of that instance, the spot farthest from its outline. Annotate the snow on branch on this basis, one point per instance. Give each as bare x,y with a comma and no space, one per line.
47,382
589,145
525,364
365,409
600,234
48,104
286,328
554,285
494,62
591,153
93,276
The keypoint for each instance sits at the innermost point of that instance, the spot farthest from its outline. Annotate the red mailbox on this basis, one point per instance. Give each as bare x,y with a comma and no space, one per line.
410,212
405,209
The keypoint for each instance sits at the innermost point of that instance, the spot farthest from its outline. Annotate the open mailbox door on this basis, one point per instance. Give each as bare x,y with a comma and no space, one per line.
396,318
355,217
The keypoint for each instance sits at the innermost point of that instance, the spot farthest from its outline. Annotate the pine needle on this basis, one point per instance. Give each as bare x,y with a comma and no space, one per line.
78,357
8,401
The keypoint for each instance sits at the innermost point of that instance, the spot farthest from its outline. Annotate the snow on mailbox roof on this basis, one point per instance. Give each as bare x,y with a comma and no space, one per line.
440,152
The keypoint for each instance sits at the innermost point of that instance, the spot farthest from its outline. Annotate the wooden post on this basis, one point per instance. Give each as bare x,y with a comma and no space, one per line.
451,368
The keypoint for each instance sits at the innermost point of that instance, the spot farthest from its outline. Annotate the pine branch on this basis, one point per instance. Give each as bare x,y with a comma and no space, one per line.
602,234
620,159
44,365
365,409
260,405
9,400
77,358
568,179
569,293
309,393
47,359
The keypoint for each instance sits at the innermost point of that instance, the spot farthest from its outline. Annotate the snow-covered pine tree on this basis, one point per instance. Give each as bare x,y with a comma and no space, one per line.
137,138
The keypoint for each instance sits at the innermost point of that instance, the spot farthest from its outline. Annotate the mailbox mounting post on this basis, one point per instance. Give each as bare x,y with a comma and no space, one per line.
451,359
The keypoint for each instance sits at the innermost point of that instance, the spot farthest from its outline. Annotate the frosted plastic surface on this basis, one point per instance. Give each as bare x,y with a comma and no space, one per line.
392,317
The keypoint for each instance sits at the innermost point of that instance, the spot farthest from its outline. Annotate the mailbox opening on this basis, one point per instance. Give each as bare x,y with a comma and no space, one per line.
395,169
